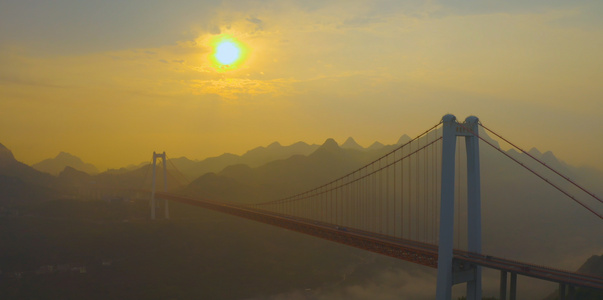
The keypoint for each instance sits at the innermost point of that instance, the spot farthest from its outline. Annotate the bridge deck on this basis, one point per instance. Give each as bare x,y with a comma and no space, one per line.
413,251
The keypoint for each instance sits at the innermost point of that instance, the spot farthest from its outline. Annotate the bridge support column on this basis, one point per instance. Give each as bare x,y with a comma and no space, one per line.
474,215
571,293
153,188
447,275
153,202
513,290
165,201
561,291
503,285
444,285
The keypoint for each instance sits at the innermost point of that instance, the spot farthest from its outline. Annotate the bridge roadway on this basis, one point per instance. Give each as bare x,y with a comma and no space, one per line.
413,251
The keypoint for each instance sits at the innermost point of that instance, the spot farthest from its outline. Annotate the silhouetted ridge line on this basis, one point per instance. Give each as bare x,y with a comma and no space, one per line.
6,154
178,172
350,143
545,165
330,143
536,173
296,198
57,164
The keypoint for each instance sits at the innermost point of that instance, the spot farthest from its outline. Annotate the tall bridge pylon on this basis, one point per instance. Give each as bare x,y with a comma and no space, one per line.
448,272
153,202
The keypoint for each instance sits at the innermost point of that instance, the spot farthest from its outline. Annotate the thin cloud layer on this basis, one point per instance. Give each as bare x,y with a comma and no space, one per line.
328,64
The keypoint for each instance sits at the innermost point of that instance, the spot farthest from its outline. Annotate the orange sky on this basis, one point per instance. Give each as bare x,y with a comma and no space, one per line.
112,82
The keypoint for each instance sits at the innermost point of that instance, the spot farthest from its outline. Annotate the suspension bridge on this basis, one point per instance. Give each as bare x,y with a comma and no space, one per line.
408,204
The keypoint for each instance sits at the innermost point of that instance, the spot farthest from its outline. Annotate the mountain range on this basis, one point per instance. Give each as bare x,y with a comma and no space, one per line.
253,158
558,224
57,164
512,198
21,183
65,174
262,155
523,217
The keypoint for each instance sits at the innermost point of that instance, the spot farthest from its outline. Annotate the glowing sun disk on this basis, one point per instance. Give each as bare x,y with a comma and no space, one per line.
227,52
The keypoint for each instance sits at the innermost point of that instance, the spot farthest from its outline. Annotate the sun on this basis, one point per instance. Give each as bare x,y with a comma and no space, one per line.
228,53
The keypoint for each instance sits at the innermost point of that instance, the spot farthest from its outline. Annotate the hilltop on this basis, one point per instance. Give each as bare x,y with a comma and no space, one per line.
20,183
57,164
262,155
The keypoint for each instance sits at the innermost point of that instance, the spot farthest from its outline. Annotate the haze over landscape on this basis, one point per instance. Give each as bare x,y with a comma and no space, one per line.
258,100
268,173
103,77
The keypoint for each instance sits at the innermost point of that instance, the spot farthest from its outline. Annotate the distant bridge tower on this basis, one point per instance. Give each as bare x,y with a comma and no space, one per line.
450,273
153,204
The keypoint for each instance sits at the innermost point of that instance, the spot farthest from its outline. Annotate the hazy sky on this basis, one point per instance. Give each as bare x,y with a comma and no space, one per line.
113,81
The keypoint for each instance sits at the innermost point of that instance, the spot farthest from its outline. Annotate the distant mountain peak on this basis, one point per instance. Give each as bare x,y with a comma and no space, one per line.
549,156
274,145
300,143
550,159
350,143
592,266
6,154
329,145
63,159
484,135
375,146
403,139
70,172
535,152
63,155
68,158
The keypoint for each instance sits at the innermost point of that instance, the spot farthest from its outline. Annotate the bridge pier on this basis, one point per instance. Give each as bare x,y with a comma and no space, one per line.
474,209
513,288
571,293
567,294
447,274
561,291
444,284
153,201
503,285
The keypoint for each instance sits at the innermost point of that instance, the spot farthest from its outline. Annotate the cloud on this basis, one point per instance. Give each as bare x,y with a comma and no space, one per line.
328,57
259,23
390,284
15,80
58,27
414,283
213,29
232,88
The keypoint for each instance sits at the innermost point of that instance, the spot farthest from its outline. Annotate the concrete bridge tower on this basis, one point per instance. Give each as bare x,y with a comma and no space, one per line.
450,273
153,203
